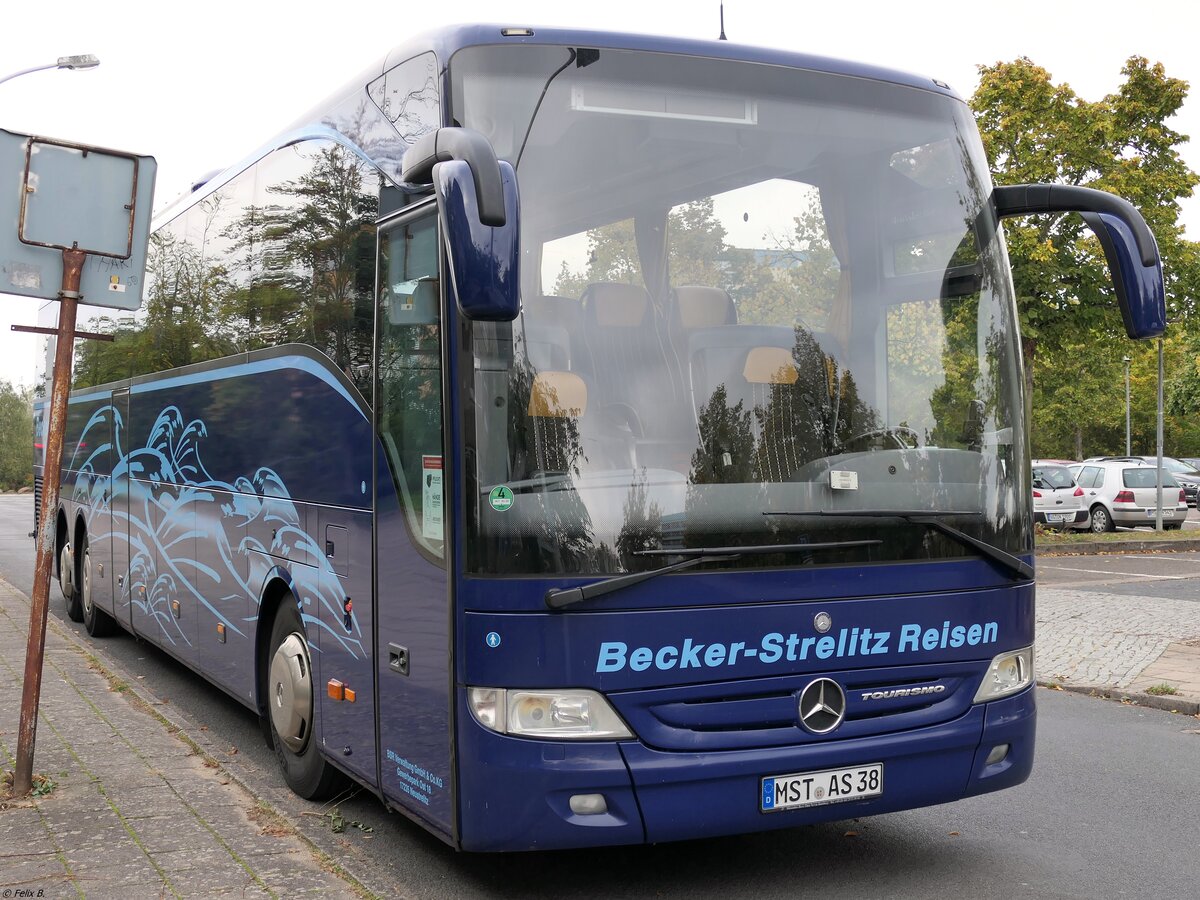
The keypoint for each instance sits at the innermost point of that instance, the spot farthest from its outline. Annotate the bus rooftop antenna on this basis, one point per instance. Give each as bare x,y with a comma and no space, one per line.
722,37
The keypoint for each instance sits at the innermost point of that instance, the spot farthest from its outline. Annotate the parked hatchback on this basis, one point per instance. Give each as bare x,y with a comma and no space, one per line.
1185,473
1122,492
1057,501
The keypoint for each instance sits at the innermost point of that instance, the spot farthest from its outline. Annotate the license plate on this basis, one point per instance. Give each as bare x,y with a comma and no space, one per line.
1059,517
820,788
1167,513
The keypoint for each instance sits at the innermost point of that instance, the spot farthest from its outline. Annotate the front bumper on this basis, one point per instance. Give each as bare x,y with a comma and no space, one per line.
515,793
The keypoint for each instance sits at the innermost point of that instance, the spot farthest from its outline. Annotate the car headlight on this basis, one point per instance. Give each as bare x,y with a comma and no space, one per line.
1009,672
552,715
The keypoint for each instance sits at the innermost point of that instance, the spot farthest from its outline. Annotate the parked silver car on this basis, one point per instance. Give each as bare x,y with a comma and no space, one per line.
1057,501
1124,492
1185,473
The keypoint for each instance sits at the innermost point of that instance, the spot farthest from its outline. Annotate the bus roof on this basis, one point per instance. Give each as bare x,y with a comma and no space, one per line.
445,42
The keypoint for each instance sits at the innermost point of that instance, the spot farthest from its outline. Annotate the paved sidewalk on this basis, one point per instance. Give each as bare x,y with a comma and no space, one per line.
1120,643
135,809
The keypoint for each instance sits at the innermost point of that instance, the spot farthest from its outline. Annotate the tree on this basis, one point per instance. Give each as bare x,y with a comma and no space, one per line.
1036,131
16,437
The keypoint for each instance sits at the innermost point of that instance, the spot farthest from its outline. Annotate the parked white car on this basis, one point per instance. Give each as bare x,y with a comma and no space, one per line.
1058,502
1122,492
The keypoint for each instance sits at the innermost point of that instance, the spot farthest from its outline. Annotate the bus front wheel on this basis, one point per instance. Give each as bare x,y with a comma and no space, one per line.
97,622
290,703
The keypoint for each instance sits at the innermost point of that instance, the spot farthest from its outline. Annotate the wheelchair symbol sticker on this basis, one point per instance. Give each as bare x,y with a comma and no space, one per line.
493,639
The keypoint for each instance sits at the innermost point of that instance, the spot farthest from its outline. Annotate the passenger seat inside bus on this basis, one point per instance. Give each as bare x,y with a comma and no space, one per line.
553,329
637,376
779,376
566,436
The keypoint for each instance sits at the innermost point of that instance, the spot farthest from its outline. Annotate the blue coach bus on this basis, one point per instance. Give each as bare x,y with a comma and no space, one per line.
586,439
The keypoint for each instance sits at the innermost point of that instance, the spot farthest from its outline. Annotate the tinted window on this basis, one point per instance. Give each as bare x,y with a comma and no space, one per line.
1146,477
283,253
410,376
1052,477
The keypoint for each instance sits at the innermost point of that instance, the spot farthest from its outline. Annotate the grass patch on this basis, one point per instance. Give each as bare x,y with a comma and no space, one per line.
43,786
1162,690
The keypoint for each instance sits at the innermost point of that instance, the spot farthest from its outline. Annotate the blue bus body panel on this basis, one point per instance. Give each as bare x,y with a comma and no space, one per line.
414,726
712,695
601,649
206,508
516,793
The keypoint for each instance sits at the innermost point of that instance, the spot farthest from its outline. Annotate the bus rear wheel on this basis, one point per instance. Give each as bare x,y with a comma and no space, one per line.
68,582
290,704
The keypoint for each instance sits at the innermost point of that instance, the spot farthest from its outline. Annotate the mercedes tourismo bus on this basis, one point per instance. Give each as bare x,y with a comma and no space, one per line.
587,439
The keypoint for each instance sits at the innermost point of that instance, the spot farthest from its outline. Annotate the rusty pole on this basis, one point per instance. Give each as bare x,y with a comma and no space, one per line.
51,477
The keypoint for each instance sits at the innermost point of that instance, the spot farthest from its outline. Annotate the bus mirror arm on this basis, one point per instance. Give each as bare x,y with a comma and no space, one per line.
1128,243
471,147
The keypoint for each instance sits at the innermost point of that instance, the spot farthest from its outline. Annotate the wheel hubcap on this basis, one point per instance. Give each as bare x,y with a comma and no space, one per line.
66,572
291,692
87,582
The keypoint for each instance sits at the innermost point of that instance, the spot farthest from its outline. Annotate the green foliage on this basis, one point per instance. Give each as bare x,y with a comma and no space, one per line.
16,437
1034,130
1073,341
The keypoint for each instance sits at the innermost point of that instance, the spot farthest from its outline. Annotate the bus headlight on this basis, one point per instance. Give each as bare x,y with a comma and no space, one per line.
1009,672
553,715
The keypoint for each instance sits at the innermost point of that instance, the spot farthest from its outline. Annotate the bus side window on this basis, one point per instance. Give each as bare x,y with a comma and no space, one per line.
409,402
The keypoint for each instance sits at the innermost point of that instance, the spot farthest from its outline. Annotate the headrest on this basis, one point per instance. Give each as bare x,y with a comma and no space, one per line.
699,306
548,309
614,304
557,395
770,365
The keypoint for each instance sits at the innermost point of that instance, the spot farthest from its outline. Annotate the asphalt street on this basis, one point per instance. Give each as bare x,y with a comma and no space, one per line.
1108,812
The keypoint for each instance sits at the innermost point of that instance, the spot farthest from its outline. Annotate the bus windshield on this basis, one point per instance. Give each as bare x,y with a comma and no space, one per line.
751,295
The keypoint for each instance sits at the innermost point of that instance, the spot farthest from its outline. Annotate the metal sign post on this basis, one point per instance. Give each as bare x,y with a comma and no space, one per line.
67,195
31,690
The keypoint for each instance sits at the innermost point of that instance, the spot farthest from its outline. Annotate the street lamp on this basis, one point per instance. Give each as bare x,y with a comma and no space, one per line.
1128,448
83,61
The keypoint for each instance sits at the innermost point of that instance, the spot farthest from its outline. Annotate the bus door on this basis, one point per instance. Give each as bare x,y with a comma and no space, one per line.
412,612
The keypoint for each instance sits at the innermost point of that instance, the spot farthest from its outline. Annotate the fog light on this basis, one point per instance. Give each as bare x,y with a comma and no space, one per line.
998,753
588,804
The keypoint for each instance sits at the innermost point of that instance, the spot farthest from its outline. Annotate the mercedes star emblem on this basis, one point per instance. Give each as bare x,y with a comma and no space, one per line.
822,706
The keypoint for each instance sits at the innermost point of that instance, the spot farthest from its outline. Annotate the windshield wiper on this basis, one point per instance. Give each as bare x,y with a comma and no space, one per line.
1013,564
557,598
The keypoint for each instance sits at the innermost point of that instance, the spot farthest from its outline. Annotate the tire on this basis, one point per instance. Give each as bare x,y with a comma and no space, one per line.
290,700
97,622
1172,526
1101,520
68,582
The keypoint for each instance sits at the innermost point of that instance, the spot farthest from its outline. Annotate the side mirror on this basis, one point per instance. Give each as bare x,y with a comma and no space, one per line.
1129,245
478,205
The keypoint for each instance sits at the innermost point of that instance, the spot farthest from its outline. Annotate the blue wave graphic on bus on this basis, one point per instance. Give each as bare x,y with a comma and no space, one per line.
191,535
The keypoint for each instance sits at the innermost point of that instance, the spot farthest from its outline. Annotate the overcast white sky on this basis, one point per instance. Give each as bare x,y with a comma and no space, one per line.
199,85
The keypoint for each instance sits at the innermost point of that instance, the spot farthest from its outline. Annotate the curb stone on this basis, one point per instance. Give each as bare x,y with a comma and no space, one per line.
1168,702
1097,548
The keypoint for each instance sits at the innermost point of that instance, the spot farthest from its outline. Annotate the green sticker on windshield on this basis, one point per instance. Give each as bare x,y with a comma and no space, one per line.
501,498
